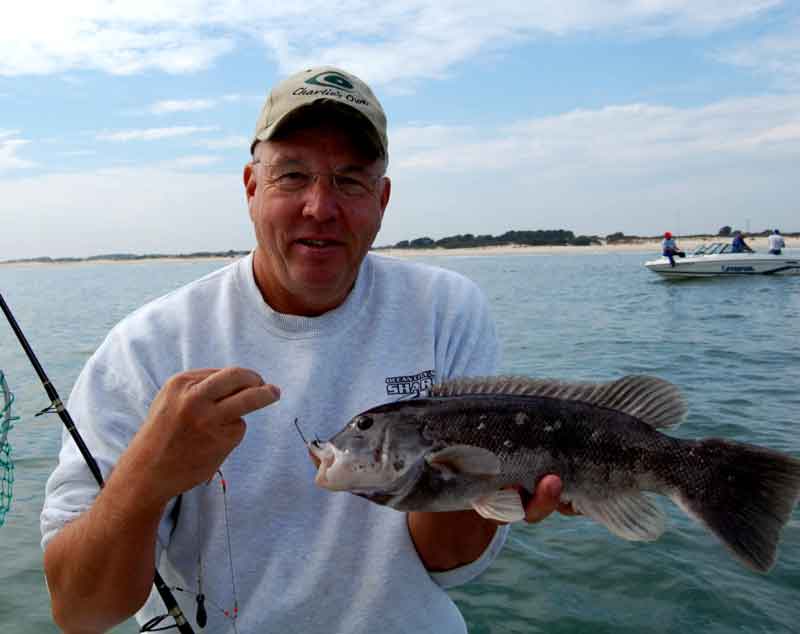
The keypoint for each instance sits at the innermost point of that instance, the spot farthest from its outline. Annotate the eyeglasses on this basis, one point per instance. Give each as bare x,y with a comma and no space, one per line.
294,177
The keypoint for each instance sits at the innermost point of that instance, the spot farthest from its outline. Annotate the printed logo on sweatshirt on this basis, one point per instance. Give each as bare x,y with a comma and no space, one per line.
410,385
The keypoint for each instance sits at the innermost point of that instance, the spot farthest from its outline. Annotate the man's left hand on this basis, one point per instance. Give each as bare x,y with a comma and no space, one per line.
545,499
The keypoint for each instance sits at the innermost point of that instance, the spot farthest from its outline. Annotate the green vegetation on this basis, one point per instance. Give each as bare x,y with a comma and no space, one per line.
539,237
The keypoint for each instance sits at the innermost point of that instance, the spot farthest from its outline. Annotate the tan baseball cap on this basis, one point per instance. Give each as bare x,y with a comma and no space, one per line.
323,84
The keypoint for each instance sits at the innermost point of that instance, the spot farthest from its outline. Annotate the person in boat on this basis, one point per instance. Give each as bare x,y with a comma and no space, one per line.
738,245
776,242
188,403
669,248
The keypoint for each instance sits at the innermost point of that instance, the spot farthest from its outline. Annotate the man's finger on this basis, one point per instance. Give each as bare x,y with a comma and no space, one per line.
247,400
226,382
194,376
545,499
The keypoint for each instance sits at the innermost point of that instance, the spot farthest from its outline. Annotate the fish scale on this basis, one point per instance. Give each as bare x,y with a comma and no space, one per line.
578,443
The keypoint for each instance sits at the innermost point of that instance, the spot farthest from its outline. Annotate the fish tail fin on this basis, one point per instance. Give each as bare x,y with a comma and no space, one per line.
743,494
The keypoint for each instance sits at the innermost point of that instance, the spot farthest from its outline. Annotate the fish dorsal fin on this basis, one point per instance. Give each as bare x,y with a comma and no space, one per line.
652,400
465,459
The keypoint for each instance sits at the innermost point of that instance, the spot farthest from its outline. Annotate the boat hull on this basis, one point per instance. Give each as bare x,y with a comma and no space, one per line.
726,264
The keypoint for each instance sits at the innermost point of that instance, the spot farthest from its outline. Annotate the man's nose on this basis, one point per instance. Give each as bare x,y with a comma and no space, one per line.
322,201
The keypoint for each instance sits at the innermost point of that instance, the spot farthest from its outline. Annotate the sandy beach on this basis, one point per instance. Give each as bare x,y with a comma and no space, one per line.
652,247
639,246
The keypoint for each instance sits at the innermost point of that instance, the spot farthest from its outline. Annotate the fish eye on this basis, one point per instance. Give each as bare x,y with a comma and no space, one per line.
363,423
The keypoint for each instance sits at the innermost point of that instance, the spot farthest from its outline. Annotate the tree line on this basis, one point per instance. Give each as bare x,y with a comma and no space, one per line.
538,237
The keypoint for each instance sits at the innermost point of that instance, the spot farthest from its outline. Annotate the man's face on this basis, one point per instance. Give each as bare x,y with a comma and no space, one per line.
311,240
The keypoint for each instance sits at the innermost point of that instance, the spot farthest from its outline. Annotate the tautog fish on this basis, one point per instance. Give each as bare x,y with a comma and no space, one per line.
470,440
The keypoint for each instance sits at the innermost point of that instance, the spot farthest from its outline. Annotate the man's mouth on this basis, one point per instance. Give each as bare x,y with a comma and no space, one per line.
317,244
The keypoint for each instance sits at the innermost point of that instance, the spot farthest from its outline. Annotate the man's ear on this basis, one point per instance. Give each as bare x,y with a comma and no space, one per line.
385,194
249,178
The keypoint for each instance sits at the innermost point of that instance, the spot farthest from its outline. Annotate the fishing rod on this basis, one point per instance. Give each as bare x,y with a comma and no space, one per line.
173,609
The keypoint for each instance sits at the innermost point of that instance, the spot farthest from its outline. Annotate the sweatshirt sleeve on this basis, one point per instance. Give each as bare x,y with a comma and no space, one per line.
108,411
463,574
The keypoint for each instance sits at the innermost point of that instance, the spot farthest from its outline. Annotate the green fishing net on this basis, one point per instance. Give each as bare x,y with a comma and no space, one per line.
6,463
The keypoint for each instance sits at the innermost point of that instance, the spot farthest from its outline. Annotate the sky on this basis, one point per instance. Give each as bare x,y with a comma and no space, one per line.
125,126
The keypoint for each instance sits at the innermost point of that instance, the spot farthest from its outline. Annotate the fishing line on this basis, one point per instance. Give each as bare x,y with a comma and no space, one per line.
56,406
201,615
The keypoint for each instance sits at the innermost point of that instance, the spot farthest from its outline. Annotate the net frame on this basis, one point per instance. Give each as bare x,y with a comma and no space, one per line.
6,461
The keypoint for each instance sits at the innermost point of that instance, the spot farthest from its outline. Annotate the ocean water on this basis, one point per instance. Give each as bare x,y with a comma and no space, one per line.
732,345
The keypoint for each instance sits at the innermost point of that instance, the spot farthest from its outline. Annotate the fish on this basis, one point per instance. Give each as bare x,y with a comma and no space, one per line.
469,441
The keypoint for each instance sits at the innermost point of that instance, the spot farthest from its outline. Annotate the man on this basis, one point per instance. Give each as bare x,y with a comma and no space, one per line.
174,405
738,245
669,248
776,243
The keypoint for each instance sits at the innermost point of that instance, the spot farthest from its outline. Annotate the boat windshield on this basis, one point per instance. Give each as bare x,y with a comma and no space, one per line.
708,249
712,248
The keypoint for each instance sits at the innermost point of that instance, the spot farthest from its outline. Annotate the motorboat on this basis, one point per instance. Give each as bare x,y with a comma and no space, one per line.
716,258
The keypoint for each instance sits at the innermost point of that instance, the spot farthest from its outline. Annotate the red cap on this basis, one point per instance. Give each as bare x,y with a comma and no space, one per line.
667,234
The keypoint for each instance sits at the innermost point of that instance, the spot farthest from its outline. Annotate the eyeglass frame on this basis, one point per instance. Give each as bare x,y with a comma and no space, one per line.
315,175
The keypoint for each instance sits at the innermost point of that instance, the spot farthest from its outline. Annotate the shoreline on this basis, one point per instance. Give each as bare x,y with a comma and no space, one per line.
651,247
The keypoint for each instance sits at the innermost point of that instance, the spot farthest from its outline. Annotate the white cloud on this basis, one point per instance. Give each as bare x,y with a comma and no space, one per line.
610,138
191,162
637,168
413,40
9,145
385,42
169,106
130,209
117,52
154,134
777,55
630,168
227,143
78,153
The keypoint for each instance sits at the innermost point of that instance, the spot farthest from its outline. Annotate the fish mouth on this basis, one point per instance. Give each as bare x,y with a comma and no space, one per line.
362,470
337,468
326,454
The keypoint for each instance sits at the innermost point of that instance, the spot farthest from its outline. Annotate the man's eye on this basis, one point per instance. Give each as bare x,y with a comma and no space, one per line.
293,177
351,186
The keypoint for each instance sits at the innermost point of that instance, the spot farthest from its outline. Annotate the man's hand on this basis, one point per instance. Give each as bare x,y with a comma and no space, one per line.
100,566
194,422
545,499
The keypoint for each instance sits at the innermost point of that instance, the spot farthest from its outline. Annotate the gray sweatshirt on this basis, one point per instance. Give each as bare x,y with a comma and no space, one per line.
274,550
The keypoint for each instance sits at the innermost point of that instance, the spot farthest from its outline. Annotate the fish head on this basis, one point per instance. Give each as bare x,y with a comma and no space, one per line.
375,455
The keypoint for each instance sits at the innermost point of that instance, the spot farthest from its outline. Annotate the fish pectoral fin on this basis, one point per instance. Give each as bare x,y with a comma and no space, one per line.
503,506
630,515
465,459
